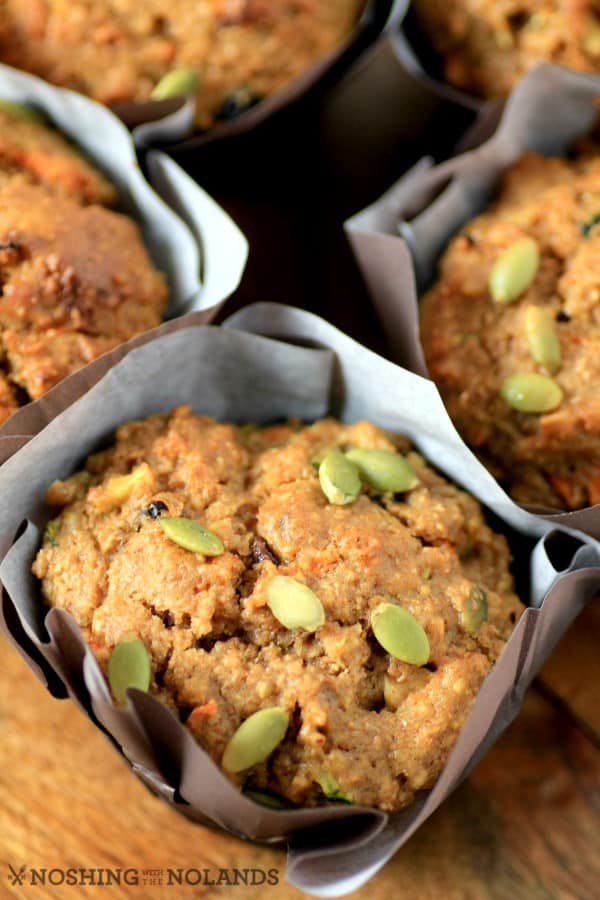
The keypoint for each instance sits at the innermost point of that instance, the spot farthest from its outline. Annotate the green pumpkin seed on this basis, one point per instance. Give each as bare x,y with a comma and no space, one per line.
271,801
384,470
128,666
191,535
531,393
51,531
20,111
541,337
514,270
255,739
339,478
474,611
331,788
400,634
175,84
294,604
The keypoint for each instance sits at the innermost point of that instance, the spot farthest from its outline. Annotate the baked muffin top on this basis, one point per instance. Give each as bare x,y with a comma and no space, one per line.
289,599
76,281
545,217
241,50
487,45
75,277
31,146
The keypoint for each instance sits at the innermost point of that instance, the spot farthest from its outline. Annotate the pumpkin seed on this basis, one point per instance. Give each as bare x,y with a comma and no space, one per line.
514,270
331,788
339,478
294,604
20,111
384,470
271,801
191,535
474,611
531,393
51,531
255,739
175,84
400,634
128,666
541,337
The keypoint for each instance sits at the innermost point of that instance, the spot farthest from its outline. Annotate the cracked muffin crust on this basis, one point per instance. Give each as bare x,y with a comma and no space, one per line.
473,344
364,726
117,51
487,45
75,277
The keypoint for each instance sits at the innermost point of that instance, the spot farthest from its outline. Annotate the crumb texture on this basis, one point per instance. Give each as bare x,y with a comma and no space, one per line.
117,50
378,728
75,277
472,343
487,45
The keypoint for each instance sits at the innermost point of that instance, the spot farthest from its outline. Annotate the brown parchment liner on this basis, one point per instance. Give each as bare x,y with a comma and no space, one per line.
398,240
235,373
189,237
171,122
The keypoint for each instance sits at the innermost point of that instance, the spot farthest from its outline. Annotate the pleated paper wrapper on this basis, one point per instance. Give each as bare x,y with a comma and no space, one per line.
268,362
399,239
189,237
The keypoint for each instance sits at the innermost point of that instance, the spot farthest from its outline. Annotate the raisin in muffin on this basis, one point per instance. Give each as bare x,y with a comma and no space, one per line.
242,50
75,277
306,558
540,435
485,45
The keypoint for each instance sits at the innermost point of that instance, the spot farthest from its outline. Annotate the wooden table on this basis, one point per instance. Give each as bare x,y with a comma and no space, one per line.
525,825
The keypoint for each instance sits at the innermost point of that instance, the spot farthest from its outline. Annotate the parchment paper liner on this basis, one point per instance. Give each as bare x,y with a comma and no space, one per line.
190,238
398,240
172,121
233,374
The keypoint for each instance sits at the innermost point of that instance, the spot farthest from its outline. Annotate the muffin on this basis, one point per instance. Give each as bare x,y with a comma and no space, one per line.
519,369
485,47
241,50
75,277
316,603
30,146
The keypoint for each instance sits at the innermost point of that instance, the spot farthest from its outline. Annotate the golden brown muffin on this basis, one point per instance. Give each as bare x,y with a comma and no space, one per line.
75,282
242,50
473,343
8,399
487,45
35,148
364,725
75,278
